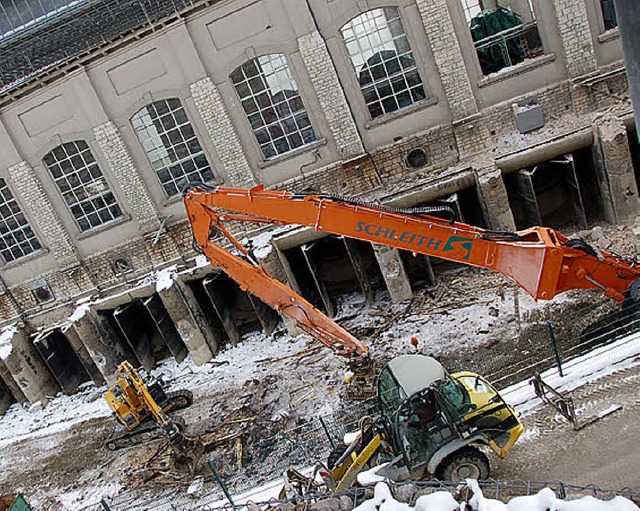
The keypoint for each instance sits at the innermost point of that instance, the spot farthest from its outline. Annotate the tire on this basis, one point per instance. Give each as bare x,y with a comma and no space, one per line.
111,446
467,463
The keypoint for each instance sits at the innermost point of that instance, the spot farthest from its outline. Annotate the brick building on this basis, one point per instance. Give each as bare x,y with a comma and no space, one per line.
516,112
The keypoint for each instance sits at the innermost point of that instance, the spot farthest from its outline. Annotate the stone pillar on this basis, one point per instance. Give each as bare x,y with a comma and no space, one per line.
124,170
185,313
495,199
393,272
41,212
577,42
615,171
83,354
5,376
100,342
448,57
330,95
26,366
211,108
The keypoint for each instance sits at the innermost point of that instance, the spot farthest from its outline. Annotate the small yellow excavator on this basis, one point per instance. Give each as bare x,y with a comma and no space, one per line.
141,406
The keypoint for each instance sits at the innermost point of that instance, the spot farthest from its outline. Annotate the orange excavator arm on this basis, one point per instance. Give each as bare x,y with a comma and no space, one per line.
540,260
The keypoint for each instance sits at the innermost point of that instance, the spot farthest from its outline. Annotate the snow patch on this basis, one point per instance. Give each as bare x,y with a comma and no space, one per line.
165,278
5,341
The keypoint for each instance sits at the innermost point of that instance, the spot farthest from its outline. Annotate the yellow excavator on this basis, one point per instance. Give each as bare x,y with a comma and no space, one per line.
141,406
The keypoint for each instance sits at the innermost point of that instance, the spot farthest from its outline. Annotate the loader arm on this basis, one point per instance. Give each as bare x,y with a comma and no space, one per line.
541,260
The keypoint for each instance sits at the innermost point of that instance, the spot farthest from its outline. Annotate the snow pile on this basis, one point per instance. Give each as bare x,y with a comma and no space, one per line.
545,500
165,278
5,341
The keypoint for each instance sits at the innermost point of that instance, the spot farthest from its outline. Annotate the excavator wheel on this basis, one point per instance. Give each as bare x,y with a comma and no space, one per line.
467,463
180,399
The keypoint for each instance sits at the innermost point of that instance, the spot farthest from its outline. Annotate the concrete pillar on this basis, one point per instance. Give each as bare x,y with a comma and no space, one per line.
577,41
448,57
100,341
615,171
494,199
43,215
26,366
330,95
7,378
123,168
214,115
185,313
393,272
84,356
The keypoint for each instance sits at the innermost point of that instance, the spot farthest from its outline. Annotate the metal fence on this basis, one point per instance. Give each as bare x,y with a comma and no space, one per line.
541,345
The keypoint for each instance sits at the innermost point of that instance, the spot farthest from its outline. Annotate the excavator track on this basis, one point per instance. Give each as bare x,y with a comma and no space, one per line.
149,430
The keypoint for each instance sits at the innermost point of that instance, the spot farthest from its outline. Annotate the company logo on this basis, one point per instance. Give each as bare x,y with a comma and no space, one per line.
459,247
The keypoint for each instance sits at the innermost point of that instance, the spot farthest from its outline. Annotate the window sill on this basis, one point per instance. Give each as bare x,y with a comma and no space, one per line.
510,72
104,227
384,119
170,201
292,154
609,35
23,260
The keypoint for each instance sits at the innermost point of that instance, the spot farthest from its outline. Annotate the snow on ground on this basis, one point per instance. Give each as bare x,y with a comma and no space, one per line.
545,500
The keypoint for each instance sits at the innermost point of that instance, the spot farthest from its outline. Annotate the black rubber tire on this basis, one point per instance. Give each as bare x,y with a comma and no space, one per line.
111,446
334,455
467,463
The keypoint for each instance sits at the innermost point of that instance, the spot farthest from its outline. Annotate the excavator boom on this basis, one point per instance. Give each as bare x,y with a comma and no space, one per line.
541,260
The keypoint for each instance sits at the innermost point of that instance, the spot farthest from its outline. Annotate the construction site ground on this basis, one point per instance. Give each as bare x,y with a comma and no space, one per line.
251,393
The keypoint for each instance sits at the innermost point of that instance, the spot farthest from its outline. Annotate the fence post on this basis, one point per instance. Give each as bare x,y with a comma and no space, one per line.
554,346
222,485
104,505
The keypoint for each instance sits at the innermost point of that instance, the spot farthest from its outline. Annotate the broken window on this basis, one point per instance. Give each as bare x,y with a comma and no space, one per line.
270,98
16,237
382,60
41,291
609,15
504,35
173,149
82,185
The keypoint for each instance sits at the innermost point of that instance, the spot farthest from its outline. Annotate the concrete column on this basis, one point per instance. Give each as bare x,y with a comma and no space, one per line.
100,341
26,367
495,199
615,171
330,94
83,354
41,212
448,56
214,115
393,272
124,170
7,378
185,313
577,42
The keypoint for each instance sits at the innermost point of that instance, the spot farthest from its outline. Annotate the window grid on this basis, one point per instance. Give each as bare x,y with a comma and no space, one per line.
471,8
173,149
383,61
82,185
16,237
270,98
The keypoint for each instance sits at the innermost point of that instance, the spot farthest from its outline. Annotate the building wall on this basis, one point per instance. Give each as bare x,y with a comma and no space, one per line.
467,122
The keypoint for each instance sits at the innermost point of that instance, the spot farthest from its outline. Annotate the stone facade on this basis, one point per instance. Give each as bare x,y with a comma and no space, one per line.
573,25
329,92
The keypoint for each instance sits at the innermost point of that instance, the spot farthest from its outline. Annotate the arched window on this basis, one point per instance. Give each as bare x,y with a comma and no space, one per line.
381,57
16,237
165,133
82,185
273,105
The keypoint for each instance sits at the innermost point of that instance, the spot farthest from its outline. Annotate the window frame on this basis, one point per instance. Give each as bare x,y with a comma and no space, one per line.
353,76
265,161
110,188
165,197
37,251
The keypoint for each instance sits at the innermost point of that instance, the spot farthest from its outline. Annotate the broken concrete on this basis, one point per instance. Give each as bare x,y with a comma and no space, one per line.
393,272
